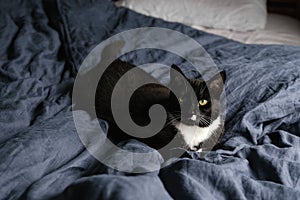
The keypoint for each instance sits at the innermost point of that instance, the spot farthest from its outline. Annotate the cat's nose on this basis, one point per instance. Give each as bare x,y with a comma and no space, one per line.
194,117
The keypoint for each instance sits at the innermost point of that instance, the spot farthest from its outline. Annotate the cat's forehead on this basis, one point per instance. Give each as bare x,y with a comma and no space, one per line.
197,83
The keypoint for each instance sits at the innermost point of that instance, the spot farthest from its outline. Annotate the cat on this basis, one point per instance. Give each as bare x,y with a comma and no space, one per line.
196,131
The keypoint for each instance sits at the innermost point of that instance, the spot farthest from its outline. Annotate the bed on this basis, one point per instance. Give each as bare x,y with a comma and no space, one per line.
280,29
44,43
277,23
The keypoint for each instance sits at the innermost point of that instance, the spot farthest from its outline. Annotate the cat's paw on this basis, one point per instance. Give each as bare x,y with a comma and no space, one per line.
199,150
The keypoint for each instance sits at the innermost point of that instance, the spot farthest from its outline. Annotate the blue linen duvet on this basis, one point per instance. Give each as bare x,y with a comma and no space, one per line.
44,42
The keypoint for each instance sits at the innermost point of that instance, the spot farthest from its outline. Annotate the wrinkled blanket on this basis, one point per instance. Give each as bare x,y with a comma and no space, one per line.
43,44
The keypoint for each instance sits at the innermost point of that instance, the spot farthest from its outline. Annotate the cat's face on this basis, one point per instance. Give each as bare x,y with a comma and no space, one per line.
201,111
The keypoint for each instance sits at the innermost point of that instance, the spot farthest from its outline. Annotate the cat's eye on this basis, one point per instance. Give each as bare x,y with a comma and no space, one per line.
180,99
203,102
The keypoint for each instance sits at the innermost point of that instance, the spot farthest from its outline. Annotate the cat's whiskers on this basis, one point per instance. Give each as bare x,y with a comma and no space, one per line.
170,122
205,123
204,120
173,118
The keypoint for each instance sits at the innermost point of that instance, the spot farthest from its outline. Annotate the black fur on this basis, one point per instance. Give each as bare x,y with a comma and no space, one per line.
146,96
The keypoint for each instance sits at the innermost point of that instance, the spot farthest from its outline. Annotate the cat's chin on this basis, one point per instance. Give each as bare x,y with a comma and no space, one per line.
193,135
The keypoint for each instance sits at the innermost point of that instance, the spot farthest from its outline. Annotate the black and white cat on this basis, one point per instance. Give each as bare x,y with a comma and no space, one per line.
202,130
197,131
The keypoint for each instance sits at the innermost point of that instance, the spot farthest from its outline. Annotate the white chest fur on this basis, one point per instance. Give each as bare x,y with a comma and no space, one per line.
193,135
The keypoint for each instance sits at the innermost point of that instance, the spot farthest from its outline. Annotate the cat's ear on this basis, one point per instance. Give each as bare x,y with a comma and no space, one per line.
177,69
223,76
175,76
216,83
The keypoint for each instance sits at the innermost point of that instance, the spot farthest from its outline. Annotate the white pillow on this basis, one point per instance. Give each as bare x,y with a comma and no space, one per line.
237,15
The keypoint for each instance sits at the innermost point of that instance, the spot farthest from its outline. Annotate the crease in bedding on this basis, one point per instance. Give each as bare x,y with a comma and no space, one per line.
42,157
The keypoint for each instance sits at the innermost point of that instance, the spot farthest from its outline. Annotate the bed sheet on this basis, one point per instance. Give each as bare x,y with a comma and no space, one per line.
42,157
279,29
